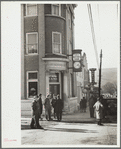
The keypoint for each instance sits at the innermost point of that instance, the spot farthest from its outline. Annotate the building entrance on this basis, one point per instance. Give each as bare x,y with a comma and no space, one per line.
55,83
54,89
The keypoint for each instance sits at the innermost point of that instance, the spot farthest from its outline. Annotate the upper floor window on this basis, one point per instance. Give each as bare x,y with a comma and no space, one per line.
56,9
31,9
56,42
32,43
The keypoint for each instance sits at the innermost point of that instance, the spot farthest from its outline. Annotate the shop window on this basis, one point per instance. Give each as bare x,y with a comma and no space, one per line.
56,42
56,9
32,84
31,9
31,43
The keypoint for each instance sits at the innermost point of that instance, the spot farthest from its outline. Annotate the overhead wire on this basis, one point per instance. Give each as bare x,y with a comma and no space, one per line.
93,32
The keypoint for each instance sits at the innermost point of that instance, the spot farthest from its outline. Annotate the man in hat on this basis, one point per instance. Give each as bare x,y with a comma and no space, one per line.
40,103
98,111
91,104
35,114
54,100
48,108
59,107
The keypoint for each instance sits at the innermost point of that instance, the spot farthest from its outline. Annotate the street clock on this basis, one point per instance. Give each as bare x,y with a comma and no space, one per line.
77,65
77,61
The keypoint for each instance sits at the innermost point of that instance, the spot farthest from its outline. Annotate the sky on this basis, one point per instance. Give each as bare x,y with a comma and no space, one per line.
106,27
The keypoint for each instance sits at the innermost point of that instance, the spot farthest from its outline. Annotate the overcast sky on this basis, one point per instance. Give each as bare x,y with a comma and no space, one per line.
106,26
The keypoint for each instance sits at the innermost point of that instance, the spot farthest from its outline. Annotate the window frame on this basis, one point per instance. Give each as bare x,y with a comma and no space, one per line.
31,80
27,43
53,43
27,9
59,5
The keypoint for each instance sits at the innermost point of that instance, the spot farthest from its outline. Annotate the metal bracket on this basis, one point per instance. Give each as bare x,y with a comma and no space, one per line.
69,55
70,67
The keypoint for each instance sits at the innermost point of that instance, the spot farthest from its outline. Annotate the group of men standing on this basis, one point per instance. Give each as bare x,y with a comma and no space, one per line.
37,108
57,105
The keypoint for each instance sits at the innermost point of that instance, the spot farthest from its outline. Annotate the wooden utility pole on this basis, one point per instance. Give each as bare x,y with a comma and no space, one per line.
100,72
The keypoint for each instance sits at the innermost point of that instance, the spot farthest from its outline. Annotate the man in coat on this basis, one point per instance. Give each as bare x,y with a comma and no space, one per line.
48,108
54,105
40,103
35,114
81,106
84,104
98,111
59,107
91,103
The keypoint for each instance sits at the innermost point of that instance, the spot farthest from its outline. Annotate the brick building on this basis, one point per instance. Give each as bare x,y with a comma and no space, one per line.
47,42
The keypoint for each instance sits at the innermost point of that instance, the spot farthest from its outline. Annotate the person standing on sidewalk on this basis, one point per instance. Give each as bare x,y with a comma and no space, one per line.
48,108
84,104
59,107
40,103
98,111
54,100
35,114
81,106
91,103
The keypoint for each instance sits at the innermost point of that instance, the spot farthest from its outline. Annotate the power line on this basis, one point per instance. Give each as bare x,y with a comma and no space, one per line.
93,32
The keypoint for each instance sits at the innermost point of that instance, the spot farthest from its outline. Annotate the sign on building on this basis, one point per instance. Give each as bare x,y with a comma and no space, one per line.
77,61
93,75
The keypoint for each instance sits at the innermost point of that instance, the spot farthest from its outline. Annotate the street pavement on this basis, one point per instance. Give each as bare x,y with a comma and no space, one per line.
74,129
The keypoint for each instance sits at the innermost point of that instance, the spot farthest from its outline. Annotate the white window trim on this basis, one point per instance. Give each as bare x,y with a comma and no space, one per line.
36,9
60,43
31,80
27,43
59,9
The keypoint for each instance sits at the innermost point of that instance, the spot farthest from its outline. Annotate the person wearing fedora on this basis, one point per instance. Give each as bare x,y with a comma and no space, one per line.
47,105
98,111
35,114
59,107
40,103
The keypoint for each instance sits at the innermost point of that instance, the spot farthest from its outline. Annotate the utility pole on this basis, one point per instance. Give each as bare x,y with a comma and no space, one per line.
100,72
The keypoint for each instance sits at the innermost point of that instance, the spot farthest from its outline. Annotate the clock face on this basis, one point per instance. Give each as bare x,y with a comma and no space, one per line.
77,65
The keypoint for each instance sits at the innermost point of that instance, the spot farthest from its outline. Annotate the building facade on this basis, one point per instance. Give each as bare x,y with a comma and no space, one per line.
47,42
83,80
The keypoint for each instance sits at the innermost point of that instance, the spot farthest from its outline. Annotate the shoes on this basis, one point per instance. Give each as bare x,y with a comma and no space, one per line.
40,127
50,119
32,127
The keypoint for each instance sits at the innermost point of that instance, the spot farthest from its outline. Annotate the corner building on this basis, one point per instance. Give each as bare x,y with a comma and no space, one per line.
47,44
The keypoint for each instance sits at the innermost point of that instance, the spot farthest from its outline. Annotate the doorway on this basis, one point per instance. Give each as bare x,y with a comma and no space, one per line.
54,89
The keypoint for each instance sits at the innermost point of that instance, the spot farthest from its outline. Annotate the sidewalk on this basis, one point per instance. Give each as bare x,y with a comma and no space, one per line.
77,117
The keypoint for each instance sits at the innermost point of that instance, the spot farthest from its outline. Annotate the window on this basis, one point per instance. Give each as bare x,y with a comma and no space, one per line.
32,84
31,43
56,40
56,9
31,9
54,77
